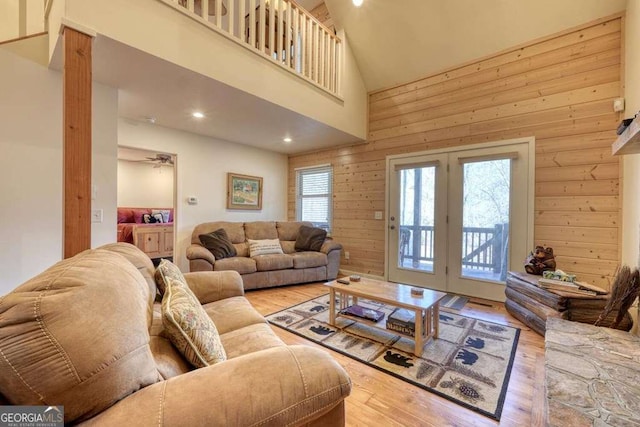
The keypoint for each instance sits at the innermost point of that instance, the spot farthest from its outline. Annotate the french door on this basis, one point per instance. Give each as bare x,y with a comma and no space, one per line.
458,220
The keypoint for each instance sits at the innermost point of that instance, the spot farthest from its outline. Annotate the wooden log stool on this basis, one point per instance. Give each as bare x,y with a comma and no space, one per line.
533,305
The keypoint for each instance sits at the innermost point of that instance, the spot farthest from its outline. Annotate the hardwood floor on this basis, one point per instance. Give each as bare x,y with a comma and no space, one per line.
378,399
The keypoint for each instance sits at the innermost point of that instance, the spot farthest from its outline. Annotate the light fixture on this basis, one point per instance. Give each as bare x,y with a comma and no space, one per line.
357,3
150,119
287,140
198,114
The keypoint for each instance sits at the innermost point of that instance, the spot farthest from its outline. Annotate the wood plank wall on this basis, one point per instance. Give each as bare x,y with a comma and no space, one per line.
559,89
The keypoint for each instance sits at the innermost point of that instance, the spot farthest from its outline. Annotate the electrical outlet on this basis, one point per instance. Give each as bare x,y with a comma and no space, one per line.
346,254
377,215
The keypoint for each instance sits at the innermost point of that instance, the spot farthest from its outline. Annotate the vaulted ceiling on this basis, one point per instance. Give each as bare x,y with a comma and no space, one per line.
398,41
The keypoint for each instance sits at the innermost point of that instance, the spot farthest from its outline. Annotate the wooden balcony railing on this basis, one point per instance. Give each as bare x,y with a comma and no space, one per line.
279,30
482,248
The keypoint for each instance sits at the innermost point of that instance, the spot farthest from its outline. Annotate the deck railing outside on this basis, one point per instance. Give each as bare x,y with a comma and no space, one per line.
279,30
482,248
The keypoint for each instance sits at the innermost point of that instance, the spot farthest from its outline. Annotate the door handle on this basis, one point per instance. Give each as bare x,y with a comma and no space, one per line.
393,227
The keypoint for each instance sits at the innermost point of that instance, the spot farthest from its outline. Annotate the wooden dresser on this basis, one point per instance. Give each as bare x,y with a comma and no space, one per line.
156,241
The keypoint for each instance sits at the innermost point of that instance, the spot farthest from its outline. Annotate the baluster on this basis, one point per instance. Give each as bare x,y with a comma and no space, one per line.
204,9
272,28
280,25
231,12
287,18
338,67
303,45
315,48
295,54
332,64
261,32
241,21
191,5
252,23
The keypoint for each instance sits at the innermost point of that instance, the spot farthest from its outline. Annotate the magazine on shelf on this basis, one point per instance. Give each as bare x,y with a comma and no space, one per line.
363,312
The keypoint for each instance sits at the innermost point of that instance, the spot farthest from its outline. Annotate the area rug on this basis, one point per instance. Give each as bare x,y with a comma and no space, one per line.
454,302
469,364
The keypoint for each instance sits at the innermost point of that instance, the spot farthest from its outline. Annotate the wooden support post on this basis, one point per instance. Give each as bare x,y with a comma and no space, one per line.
77,141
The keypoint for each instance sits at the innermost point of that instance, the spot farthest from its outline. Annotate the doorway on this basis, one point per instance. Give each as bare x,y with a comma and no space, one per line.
459,219
147,201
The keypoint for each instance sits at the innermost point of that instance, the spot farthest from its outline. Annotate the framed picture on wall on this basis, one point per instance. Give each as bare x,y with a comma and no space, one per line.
244,191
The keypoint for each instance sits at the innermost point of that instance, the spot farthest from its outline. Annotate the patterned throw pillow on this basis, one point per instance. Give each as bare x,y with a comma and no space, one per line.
167,270
190,329
264,247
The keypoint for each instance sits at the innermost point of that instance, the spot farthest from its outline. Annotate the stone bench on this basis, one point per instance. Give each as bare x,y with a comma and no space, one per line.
592,375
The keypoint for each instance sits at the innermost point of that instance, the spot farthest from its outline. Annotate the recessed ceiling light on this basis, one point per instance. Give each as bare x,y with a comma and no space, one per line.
357,3
287,140
198,114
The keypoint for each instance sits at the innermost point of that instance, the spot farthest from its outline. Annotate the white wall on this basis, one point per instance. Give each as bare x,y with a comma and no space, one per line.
631,163
31,167
142,185
202,164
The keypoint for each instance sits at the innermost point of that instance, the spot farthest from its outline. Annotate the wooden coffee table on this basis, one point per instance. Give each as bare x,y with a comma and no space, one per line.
426,306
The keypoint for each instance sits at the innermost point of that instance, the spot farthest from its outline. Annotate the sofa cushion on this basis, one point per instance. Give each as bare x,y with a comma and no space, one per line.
238,263
167,270
232,313
140,260
260,230
310,238
309,259
235,230
189,327
218,244
273,262
288,246
77,335
264,247
288,230
250,339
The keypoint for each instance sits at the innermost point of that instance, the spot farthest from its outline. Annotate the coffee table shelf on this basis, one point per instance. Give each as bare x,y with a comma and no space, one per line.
426,307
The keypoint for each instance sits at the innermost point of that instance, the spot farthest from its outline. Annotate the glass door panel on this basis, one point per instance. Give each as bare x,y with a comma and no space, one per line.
485,219
417,218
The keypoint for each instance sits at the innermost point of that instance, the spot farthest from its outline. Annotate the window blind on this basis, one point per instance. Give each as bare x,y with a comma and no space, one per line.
314,196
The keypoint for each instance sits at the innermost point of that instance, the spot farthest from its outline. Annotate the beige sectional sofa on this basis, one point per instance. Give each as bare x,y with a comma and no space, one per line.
87,334
266,270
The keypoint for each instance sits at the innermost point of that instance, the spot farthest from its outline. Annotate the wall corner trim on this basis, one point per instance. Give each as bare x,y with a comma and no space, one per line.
66,22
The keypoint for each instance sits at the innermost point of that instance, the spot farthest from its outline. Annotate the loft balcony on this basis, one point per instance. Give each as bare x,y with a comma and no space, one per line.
262,68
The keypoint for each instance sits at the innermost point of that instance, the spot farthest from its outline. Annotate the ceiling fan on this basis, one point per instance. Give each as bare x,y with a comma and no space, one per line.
159,160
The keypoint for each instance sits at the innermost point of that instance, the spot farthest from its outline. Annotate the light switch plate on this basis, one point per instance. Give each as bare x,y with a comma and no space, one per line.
96,215
377,215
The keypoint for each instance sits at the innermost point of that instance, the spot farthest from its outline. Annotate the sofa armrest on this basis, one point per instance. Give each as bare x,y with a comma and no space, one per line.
288,385
211,286
200,252
330,245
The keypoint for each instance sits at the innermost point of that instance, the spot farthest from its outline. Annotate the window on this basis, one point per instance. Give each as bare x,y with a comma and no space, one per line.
314,195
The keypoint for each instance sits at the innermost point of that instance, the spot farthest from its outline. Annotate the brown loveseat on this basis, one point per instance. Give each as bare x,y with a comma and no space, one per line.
87,334
266,270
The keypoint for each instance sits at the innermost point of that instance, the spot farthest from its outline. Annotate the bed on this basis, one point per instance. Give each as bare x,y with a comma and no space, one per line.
150,229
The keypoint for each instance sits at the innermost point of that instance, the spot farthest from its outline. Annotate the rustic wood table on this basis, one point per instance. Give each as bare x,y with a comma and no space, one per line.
426,306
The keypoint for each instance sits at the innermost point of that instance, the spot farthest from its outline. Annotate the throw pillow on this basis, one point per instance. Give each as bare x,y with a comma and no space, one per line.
188,326
167,270
264,247
218,243
310,238
165,213
151,219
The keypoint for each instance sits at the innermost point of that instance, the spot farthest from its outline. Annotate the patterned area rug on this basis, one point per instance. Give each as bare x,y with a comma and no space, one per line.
470,363
454,302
